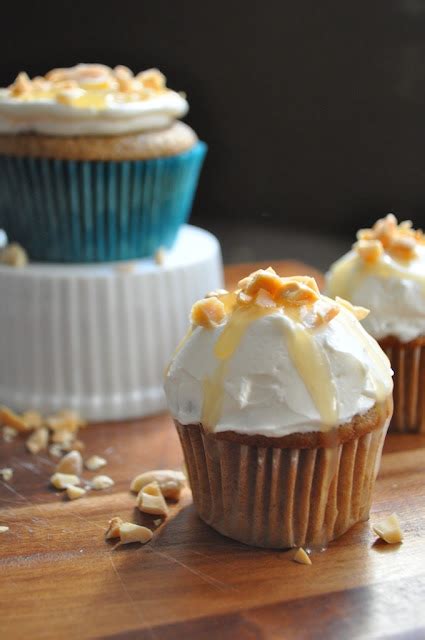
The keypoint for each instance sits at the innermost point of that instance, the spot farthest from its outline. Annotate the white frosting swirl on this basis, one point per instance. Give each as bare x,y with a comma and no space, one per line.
89,100
282,378
393,290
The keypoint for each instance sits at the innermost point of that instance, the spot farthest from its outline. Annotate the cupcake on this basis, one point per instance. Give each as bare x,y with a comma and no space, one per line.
385,271
94,163
282,401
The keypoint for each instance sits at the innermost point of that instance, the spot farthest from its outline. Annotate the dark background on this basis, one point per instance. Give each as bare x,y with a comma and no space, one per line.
314,112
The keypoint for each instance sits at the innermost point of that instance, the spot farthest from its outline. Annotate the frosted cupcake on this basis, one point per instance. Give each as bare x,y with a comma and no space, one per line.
385,271
282,401
94,163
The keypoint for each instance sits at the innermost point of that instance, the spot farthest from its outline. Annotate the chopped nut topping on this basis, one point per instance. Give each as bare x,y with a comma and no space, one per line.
33,419
38,440
269,281
389,529
170,482
113,530
369,250
11,419
88,78
9,434
208,313
217,293
130,532
13,255
302,557
94,463
6,473
150,500
297,293
4,529
74,493
55,450
399,240
63,480
72,463
101,482
66,420
359,312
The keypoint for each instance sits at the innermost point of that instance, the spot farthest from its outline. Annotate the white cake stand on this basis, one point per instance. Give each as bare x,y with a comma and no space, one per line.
97,338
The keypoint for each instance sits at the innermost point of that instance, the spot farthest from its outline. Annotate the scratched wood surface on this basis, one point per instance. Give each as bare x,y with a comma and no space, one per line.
60,579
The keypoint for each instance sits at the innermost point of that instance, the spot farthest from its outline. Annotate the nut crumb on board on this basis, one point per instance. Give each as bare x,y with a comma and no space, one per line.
170,482
302,557
6,473
130,532
74,492
38,440
113,530
63,480
72,463
150,500
389,529
3,529
101,482
94,463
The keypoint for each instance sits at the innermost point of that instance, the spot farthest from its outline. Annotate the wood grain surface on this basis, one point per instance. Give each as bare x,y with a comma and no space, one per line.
61,579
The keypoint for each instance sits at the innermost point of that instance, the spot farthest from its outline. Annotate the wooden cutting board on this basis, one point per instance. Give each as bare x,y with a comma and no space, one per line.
60,579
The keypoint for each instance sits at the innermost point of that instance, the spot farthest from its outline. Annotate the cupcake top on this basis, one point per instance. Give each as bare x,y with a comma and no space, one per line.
275,357
385,271
89,99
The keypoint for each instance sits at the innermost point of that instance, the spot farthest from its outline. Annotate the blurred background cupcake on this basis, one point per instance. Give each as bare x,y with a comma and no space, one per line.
94,163
282,402
385,272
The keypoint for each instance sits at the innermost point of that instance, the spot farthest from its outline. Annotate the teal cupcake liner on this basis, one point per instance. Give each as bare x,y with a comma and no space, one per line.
96,211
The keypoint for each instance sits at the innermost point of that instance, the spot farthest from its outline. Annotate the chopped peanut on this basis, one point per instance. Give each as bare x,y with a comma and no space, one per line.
170,482
296,293
403,248
101,482
38,440
72,463
389,529
113,530
74,493
10,419
359,312
9,434
94,463
217,293
33,419
264,299
152,79
63,480
369,250
302,557
208,313
130,532
4,529
150,500
269,281
6,473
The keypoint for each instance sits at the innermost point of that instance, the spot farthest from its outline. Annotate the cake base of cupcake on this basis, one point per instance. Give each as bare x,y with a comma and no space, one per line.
97,338
408,363
277,493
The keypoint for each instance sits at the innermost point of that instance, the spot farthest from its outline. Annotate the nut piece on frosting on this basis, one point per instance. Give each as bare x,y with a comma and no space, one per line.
208,313
359,312
389,529
70,86
399,240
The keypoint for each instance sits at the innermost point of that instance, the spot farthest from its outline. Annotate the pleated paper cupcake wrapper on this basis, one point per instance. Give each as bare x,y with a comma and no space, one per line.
281,498
92,211
408,362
